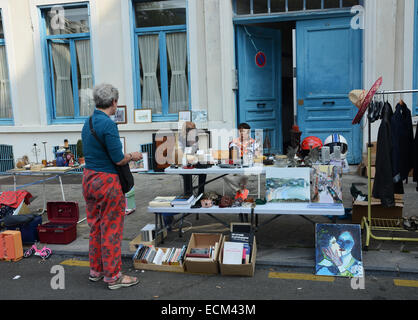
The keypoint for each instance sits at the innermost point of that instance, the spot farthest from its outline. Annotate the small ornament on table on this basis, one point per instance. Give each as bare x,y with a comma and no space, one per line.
292,156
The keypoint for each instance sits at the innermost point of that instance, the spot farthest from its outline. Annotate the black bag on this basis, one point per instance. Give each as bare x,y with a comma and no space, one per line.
124,172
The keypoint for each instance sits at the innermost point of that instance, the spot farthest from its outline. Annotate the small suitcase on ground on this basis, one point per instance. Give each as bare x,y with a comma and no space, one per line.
28,230
62,225
11,246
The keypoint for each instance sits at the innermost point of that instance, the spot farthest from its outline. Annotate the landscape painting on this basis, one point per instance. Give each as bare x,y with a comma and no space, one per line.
326,184
288,185
338,250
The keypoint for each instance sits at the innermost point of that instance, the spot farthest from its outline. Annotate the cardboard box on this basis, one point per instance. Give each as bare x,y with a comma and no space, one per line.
157,267
373,159
378,211
246,270
203,240
133,245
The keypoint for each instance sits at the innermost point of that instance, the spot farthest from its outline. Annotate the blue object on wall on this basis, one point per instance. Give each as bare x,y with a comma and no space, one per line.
259,95
329,66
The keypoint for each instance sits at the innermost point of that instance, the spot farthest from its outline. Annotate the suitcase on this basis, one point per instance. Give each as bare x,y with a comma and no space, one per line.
62,225
29,230
11,246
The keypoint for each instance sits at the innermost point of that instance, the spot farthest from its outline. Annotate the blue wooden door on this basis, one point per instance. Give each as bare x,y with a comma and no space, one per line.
328,68
259,94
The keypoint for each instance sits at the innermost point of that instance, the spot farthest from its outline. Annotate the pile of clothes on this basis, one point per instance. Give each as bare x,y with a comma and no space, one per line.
10,201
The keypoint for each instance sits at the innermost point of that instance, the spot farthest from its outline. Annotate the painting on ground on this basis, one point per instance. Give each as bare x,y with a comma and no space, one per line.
326,186
288,184
338,250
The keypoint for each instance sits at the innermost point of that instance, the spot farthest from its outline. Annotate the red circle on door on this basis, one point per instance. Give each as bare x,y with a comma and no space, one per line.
260,59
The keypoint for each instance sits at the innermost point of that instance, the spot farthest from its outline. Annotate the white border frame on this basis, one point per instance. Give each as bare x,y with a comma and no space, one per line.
145,161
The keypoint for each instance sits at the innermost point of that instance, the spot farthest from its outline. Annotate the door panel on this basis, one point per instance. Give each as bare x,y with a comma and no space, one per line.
328,68
259,95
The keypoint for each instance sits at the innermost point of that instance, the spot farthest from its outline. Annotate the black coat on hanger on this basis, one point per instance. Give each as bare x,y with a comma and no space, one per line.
403,142
384,187
416,158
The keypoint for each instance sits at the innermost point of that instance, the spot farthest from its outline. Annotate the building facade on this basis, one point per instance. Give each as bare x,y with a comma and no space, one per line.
271,63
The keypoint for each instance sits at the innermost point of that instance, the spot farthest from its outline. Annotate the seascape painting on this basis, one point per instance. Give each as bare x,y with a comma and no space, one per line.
288,184
338,250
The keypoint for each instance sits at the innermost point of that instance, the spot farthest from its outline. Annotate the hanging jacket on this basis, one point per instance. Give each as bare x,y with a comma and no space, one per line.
384,187
403,142
416,158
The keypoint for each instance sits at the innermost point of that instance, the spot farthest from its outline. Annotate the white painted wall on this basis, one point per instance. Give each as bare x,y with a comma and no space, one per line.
388,50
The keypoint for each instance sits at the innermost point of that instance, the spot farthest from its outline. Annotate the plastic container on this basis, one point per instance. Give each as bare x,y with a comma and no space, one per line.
130,200
62,225
11,246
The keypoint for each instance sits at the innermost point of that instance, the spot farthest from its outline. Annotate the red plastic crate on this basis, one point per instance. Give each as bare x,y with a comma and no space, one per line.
62,225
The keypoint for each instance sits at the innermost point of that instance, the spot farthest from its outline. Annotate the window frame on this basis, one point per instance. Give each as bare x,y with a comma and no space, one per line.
6,121
46,45
162,31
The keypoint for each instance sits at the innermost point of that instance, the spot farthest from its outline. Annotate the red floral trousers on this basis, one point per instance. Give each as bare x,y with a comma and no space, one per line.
105,206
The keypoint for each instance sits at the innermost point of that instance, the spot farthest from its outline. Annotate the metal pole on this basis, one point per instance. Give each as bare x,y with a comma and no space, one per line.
397,91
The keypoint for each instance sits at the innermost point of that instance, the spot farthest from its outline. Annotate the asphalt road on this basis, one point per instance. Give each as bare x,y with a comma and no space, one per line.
31,279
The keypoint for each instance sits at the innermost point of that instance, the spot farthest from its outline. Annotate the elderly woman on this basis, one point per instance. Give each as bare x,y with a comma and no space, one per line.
105,200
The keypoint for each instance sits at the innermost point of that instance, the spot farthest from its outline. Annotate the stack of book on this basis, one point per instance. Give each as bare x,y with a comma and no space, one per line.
161,202
148,233
160,256
183,201
238,249
203,254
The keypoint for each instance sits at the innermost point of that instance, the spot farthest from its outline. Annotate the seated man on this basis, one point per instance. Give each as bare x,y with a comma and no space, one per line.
244,145
242,149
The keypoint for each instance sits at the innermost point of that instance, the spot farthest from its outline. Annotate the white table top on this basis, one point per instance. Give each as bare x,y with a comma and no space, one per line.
303,209
217,170
43,171
269,208
214,210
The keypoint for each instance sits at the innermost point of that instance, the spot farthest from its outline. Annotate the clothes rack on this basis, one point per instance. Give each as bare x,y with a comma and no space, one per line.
377,224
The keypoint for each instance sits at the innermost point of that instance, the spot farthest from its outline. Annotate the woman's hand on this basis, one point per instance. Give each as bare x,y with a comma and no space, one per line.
136,156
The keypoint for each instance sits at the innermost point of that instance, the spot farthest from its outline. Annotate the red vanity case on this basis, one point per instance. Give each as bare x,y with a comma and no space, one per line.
62,225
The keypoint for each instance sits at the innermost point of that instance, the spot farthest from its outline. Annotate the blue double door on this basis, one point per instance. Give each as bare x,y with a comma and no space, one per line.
329,66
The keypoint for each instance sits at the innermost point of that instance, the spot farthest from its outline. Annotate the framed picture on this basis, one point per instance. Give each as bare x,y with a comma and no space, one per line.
122,140
185,116
120,115
199,116
288,184
142,115
141,165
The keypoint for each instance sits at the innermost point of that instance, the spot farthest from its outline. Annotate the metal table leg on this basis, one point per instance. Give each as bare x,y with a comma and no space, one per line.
62,188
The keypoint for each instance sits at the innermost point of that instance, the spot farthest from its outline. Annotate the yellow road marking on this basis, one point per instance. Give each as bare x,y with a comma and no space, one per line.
76,263
300,276
405,283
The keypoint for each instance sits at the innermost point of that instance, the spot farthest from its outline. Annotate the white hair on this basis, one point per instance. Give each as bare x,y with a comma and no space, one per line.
104,94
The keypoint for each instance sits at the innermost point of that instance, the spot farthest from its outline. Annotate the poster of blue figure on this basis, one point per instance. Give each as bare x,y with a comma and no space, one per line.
338,250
